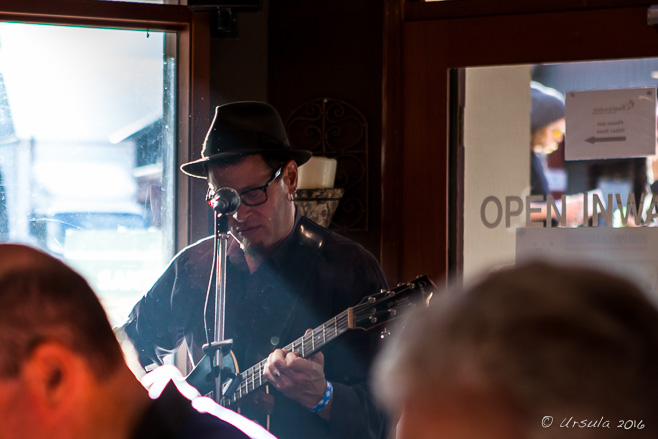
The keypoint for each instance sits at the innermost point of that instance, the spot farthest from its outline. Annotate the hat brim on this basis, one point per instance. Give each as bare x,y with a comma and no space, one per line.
198,168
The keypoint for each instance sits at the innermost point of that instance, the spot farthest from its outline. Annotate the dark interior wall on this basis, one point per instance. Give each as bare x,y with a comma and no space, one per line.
293,51
332,49
238,72
238,66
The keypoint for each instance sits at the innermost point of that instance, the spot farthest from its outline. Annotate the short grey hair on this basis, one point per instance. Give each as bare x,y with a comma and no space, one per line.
553,340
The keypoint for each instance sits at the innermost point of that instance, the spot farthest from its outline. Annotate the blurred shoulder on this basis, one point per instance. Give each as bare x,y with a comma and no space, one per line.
340,247
200,249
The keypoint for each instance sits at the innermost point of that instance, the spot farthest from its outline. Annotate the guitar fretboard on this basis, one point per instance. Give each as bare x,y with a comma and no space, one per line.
305,346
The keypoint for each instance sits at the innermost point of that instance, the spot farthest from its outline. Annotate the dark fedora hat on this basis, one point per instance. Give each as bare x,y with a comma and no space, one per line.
243,128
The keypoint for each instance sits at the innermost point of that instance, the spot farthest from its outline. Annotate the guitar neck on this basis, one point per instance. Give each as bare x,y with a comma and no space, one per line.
305,346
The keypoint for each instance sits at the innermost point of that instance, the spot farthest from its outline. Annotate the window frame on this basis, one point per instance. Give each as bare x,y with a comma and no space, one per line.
193,77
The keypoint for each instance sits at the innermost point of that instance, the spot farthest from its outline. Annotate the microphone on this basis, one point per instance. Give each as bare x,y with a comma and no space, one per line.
226,201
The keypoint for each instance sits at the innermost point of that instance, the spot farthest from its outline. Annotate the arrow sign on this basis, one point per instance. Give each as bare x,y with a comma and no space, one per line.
594,140
610,124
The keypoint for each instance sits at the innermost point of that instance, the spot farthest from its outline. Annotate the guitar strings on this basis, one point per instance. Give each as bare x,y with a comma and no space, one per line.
252,378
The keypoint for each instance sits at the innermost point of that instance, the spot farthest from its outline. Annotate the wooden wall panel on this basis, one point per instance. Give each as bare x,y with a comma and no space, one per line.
332,49
424,245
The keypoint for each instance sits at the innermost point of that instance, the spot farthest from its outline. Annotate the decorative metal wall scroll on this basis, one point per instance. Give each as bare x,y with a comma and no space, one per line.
335,129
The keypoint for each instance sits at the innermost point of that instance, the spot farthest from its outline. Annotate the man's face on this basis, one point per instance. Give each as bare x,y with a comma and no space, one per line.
258,228
547,140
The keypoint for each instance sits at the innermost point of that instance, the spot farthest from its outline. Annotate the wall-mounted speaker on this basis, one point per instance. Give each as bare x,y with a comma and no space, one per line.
224,22
236,5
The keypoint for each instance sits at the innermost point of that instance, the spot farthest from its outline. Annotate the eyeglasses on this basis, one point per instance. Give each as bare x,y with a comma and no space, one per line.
251,197
558,134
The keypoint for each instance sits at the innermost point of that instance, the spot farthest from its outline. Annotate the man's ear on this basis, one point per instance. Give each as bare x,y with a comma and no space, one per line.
51,373
290,176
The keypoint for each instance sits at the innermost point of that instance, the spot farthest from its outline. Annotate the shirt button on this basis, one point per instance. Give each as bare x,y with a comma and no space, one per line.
274,340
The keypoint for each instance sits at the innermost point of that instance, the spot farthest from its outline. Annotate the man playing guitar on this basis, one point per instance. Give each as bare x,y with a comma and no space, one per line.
285,274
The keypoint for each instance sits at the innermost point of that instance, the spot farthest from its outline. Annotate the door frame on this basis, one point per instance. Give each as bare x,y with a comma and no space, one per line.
437,38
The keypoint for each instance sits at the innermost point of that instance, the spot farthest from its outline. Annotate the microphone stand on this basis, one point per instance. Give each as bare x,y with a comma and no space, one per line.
225,203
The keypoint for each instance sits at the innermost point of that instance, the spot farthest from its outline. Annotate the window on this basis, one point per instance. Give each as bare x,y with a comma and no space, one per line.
90,138
86,118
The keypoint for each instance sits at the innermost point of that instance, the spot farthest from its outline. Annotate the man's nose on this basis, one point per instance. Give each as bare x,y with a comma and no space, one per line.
243,213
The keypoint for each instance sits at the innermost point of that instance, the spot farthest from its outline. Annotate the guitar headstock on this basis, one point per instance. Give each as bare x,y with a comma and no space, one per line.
388,305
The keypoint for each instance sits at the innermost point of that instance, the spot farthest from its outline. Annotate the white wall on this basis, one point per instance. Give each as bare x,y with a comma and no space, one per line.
496,159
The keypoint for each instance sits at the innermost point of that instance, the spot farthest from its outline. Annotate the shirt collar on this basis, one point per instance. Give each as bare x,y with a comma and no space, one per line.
279,257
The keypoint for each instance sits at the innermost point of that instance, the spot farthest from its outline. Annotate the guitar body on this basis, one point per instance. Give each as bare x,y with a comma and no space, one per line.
203,379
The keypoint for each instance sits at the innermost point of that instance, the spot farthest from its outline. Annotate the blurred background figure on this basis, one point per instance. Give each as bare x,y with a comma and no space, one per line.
62,372
547,131
538,351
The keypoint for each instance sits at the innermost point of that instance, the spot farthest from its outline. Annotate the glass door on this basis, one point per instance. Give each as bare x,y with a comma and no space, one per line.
466,128
564,168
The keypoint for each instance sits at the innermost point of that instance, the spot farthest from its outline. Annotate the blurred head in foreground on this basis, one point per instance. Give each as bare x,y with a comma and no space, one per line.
536,351
62,372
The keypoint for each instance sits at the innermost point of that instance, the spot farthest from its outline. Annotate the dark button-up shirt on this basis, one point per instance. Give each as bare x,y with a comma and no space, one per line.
269,309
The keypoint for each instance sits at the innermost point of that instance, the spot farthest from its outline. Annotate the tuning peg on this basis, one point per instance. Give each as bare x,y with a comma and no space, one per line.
385,333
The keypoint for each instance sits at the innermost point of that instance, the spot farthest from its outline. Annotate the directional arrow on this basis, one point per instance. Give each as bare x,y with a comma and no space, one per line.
594,140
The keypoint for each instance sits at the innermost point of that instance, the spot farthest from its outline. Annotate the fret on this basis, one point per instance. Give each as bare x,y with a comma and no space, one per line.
247,379
253,373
